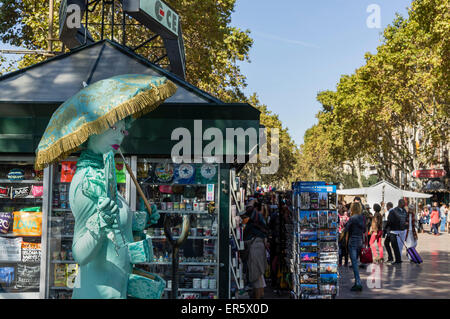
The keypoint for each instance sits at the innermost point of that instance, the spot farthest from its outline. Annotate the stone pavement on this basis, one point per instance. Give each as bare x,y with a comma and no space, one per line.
431,279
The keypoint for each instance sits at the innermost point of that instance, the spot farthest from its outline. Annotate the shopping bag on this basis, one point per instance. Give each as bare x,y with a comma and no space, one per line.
27,223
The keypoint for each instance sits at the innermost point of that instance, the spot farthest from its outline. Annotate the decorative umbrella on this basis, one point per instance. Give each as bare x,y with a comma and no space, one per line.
97,107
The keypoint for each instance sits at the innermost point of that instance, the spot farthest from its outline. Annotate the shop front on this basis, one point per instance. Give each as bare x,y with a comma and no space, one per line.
37,223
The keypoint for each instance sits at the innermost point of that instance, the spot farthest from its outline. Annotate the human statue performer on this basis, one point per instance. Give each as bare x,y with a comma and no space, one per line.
103,244
108,237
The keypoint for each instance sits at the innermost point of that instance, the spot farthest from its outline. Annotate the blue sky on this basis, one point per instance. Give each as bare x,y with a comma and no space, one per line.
302,47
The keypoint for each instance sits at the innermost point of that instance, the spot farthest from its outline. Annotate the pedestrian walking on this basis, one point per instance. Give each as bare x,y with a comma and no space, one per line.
397,226
435,220
343,239
255,237
386,233
355,229
411,234
376,233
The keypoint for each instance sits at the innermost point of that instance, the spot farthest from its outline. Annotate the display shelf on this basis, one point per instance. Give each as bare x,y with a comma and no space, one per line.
10,235
62,236
189,237
61,209
19,295
171,184
55,261
23,181
169,263
60,288
193,289
16,262
205,212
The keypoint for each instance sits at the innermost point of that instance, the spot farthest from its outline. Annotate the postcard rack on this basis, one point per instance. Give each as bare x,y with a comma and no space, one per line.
316,249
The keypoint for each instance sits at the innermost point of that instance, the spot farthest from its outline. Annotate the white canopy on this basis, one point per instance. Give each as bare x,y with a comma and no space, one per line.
382,191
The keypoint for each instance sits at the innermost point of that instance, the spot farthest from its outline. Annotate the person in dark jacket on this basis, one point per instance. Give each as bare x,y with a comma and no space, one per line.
355,228
397,224
387,241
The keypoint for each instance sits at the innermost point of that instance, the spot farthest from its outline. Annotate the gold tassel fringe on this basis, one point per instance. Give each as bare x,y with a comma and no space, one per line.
137,106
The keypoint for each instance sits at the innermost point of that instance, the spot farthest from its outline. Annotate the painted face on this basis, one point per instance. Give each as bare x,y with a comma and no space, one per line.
109,140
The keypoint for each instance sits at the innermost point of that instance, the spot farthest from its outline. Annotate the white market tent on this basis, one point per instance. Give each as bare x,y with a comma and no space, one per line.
381,191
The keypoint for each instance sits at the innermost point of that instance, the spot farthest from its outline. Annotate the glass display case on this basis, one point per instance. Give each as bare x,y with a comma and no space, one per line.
176,190
21,229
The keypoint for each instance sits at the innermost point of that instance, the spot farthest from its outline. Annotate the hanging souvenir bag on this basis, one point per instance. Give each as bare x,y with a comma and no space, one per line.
37,191
28,222
5,222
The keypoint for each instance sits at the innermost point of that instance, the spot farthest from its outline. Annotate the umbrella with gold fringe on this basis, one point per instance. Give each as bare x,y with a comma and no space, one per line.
97,107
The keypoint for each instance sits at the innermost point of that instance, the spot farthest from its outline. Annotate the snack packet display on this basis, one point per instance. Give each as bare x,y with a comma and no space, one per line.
27,223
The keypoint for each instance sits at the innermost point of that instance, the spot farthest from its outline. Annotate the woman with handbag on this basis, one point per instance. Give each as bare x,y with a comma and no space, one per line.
356,229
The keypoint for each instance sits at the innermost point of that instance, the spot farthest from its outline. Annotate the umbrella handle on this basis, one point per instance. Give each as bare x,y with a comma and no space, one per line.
138,187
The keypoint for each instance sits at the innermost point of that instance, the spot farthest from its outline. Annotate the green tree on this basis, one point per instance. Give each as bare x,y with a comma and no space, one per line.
213,47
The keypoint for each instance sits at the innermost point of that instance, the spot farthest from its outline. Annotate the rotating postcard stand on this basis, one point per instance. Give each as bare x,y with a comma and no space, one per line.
316,232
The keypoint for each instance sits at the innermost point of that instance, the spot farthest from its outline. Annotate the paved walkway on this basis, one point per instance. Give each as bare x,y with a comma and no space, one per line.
431,279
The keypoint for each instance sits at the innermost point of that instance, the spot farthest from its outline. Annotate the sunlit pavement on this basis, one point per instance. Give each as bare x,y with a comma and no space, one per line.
407,280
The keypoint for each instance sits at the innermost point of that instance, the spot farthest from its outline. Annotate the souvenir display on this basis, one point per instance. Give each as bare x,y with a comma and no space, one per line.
68,169
27,277
121,175
20,192
27,223
5,222
184,174
10,249
6,276
31,252
316,251
164,172
5,192
37,191
16,174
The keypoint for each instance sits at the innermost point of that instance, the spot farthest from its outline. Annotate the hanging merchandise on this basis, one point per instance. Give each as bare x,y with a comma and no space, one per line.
5,222
207,174
164,172
6,276
71,274
16,174
31,252
60,275
68,169
37,191
10,249
121,175
184,174
210,192
165,189
20,192
28,277
5,192
27,223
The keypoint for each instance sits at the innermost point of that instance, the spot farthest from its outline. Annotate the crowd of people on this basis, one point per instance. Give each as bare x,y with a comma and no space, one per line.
398,226
360,225
264,218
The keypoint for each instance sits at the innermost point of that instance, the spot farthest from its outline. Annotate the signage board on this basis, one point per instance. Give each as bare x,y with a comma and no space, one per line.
429,173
